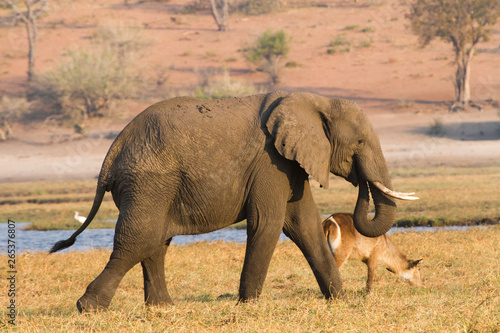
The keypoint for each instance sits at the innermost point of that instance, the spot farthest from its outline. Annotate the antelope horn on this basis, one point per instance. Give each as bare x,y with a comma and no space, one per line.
394,194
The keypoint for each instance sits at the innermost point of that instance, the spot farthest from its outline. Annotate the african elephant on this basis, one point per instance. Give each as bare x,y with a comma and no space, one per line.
191,166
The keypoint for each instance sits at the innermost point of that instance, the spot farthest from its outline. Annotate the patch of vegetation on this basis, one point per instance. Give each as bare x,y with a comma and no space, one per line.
269,51
365,43
212,88
11,109
420,221
437,128
367,29
405,104
254,7
351,27
194,7
210,54
339,44
88,78
292,64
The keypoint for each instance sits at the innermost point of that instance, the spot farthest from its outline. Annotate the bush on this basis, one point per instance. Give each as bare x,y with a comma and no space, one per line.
437,128
339,44
13,108
268,52
254,7
87,79
227,87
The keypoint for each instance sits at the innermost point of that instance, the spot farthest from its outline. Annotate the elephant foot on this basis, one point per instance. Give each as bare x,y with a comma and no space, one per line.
247,299
338,295
154,301
90,304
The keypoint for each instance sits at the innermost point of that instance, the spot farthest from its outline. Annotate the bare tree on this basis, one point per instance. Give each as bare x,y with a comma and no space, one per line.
220,12
28,15
463,23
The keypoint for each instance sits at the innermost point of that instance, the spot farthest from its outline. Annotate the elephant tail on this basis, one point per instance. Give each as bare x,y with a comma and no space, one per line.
61,245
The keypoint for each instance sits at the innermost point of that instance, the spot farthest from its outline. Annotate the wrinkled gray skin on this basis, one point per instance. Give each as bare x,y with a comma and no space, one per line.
190,166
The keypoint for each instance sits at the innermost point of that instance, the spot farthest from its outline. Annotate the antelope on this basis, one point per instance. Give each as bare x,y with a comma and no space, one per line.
346,242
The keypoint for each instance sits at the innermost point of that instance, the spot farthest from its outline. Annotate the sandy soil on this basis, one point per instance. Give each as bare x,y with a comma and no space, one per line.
403,88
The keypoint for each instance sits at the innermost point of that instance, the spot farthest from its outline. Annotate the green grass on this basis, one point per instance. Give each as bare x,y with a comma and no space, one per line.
461,291
448,196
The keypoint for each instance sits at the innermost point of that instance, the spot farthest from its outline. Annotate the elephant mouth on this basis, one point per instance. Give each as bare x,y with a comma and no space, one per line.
355,178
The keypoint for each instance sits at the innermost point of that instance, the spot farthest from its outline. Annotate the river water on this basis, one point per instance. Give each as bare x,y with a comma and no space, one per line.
42,241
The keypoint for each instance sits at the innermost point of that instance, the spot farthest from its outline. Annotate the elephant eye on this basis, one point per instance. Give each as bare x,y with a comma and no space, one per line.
361,142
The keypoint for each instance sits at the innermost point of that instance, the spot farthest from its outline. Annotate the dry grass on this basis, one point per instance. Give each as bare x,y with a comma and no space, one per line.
461,294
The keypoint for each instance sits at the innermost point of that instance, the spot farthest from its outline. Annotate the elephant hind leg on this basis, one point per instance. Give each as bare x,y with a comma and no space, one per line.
155,287
137,239
263,229
100,291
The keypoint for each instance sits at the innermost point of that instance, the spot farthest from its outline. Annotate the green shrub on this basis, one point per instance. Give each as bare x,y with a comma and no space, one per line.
339,44
268,52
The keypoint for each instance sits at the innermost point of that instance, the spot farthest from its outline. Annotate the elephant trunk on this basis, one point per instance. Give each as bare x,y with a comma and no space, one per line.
385,211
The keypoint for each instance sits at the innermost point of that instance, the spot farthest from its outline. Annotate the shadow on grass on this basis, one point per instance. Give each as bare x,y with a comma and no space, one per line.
208,298
409,222
466,131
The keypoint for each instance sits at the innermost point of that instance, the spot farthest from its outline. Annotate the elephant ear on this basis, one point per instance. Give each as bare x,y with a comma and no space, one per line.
298,127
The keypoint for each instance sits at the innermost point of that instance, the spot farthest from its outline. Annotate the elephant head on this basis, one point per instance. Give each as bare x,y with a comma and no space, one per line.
334,135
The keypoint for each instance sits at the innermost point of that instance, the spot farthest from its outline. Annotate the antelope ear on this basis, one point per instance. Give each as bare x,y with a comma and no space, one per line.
298,127
414,263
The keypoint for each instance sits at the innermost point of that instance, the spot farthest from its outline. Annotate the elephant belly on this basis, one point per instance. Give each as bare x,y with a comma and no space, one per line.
202,206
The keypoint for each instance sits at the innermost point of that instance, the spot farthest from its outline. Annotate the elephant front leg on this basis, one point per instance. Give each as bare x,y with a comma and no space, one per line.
263,231
303,227
155,287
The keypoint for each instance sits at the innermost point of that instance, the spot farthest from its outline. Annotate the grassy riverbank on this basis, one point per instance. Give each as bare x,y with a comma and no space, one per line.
448,196
461,292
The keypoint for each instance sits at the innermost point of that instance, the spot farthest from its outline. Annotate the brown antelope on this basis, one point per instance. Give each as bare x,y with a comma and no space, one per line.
347,243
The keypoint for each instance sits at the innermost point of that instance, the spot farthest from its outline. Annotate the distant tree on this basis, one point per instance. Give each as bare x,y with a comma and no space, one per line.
220,12
28,15
463,23
269,51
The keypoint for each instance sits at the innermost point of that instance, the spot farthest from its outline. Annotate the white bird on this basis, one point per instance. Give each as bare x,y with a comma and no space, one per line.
79,218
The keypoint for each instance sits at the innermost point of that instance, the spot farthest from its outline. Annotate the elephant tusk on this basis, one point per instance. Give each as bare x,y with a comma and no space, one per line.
394,194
